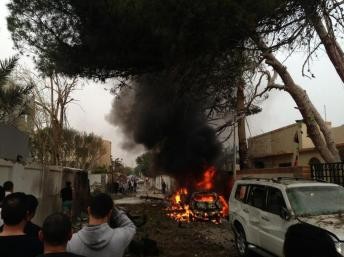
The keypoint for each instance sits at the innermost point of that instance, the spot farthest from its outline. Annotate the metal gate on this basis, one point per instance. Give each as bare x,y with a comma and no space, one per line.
329,172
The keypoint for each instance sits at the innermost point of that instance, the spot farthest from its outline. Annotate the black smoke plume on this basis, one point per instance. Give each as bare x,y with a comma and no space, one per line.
169,122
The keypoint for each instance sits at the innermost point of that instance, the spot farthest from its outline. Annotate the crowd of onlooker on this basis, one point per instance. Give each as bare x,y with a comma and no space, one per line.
20,237
123,185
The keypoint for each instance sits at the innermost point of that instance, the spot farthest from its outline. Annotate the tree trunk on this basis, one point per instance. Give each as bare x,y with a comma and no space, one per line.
319,133
309,113
333,50
240,106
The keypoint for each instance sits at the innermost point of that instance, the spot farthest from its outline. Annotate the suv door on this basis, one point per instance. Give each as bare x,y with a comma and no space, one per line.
273,227
256,202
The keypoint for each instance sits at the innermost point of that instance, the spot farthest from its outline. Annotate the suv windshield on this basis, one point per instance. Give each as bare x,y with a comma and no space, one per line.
316,200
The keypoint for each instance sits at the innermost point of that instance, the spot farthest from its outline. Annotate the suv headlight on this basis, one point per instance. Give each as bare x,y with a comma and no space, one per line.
340,248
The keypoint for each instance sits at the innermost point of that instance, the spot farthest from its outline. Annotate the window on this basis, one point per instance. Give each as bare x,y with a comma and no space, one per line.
240,193
317,200
257,197
275,201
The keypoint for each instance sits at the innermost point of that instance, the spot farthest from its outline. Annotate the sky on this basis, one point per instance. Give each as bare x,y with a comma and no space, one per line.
326,90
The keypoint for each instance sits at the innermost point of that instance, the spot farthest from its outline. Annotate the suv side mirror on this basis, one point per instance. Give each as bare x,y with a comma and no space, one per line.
285,214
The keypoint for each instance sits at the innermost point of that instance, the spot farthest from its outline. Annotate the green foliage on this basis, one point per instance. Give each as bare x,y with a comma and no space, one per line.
78,150
144,164
6,67
15,100
100,170
126,37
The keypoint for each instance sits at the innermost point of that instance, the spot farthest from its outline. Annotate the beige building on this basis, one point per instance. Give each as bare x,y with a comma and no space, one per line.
105,159
279,148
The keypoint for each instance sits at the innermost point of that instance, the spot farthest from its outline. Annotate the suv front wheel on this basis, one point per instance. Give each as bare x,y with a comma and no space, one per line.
240,242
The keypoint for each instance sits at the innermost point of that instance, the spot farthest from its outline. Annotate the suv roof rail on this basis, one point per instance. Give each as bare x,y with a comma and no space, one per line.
290,178
280,179
256,178
301,178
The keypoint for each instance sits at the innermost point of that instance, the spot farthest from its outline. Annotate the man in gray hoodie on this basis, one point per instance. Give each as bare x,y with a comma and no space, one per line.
98,238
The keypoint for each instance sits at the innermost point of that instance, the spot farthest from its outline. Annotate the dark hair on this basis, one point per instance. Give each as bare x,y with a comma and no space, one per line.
31,203
68,183
8,186
56,229
100,205
305,240
2,194
14,208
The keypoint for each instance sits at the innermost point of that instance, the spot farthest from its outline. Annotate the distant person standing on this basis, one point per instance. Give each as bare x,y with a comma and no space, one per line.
2,197
116,187
163,186
8,187
135,185
67,198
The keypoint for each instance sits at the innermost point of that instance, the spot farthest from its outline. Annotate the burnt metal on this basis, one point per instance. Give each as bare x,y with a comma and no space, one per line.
205,210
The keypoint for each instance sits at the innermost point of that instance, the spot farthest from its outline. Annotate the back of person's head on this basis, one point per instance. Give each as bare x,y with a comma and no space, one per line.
2,195
56,230
100,205
68,184
31,204
305,240
8,186
14,209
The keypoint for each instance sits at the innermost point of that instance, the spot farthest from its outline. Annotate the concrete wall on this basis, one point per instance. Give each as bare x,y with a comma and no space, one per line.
43,182
97,181
170,182
273,161
305,157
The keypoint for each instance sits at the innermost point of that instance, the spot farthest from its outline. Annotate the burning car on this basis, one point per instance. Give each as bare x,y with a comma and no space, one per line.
205,206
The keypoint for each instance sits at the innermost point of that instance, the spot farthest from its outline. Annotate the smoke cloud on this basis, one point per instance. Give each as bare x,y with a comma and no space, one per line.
152,112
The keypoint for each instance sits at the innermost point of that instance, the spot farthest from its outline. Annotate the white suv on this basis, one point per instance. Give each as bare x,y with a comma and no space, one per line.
261,210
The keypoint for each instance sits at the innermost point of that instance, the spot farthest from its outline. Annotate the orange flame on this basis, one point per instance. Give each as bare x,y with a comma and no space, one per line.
181,212
225,207
207,182
205,198
179,194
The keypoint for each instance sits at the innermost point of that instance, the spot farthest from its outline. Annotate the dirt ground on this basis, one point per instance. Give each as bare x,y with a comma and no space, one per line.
196,239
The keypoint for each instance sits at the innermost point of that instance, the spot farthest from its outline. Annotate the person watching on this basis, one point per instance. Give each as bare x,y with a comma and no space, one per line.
8,187
98,238
2,197
31,229
13,241
66,195
305,240
55,233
